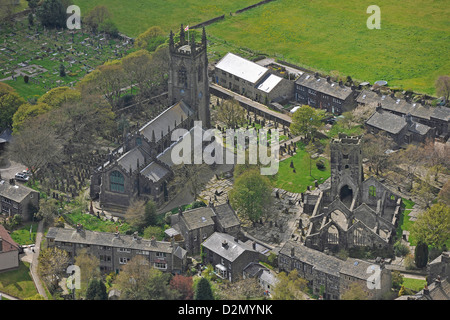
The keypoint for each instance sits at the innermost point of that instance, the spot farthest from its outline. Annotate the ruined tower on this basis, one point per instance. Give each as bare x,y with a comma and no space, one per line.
188,74
346,168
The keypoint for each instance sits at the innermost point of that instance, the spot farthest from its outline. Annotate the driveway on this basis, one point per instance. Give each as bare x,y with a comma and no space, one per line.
9,170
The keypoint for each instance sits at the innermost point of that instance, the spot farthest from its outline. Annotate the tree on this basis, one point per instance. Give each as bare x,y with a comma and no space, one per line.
96,290
62,70
10,102
184,286
36,145
48,209
289,286
56,97
89,266
251,195
443,87
421,255
444,194
242,289
52,14
423,190
231,113
374,149
397,280
354,292
433,226
97,16
150,39
53,263
203,290
109,27
409,160
306,121
27,112
139,281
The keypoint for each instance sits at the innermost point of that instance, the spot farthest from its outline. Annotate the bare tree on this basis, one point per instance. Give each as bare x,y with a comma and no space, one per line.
443,87
374,149
231,114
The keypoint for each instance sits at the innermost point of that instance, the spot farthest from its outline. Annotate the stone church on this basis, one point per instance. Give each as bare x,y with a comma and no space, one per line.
142,167
352,211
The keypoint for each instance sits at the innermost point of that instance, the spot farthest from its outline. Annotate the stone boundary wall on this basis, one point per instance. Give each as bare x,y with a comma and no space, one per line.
253,6
294,66
208,22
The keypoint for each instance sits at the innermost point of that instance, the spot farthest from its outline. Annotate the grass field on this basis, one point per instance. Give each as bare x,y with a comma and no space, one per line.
414,284
22,235
408,51
299,181
135,16
18,283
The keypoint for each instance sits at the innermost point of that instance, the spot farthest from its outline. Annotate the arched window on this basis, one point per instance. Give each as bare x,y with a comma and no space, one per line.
117,182
182,77
372,191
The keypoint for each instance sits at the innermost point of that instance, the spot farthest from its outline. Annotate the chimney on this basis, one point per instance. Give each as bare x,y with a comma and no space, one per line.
153,241
79,227
225,244
328,79
426,291
12,181
254,245
316,75
292,251
340,83
135,235
437,281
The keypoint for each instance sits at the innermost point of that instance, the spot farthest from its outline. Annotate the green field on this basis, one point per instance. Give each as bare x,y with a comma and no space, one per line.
18,283
135,16
298,182
410,50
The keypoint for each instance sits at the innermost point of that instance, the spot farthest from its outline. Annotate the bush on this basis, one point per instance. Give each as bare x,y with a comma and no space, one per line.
320,164
400,250
421,255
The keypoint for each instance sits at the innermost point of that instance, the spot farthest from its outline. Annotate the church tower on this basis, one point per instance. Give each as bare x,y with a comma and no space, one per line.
346,168
188,74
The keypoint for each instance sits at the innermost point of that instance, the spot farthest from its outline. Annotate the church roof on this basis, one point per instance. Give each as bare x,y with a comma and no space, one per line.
176,113
154,172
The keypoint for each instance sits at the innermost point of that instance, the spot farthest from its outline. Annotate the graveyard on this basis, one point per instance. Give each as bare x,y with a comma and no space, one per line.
31,57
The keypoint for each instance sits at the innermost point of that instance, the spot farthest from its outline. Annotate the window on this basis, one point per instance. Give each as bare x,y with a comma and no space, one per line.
143,252
124,260
124,250
372,191
116,181
161,254
160,265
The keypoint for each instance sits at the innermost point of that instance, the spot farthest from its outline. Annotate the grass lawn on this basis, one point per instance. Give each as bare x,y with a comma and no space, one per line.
332,35
299,181
18,283
405,223
22,235
414,284
93,223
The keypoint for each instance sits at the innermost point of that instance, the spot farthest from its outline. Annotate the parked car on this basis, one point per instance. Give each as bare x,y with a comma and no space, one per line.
21,177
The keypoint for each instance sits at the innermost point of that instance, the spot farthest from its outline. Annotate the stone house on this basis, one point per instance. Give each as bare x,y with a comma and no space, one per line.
115,250
402,130
18,199
251,80
9,251
228,255
329,276
196,225
439,267
323,93
437,118
266,279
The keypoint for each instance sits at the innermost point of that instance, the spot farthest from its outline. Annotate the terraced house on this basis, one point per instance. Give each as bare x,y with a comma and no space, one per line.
323,93
115,250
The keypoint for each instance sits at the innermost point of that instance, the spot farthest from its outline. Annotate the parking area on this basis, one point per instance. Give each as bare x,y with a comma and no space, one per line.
9,170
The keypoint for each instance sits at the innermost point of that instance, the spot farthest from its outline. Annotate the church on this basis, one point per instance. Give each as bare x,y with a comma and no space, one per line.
351,211
142,167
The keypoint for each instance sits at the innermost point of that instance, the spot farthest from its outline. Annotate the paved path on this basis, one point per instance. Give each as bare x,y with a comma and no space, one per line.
34,262
7,296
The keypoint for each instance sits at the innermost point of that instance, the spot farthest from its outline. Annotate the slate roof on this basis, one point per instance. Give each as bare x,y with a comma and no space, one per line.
107,239
242,68
319,260
161,123
154,172
226,215
15,192
387,121
198,218
356,268
442,113
129,159
231,252
321,84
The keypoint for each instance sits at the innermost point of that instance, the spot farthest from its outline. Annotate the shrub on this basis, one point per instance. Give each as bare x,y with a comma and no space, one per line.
400,250
421,255
320,164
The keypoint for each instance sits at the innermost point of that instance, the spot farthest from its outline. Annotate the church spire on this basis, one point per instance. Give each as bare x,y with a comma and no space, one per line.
182,36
